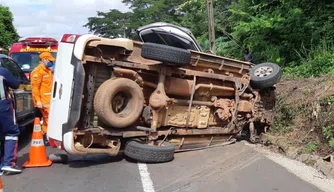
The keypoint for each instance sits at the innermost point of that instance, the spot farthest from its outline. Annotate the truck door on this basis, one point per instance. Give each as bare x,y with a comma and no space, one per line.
22,97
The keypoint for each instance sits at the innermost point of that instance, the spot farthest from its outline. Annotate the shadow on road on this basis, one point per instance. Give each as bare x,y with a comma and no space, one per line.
25,137
92,160
21,159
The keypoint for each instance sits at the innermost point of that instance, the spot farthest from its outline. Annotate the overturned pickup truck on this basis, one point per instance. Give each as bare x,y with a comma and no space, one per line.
155,97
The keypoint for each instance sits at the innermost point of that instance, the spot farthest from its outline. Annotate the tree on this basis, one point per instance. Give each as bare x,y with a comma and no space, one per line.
111,24
195,17
8,34
149,11
279,30
115,23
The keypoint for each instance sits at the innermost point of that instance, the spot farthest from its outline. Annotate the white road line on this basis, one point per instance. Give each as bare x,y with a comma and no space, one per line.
145,178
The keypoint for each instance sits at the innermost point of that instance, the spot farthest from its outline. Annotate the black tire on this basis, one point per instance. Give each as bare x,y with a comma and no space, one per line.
265,75
167,54
149,154
128,92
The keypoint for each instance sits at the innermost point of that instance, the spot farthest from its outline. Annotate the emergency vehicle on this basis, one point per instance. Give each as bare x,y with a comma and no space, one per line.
26,51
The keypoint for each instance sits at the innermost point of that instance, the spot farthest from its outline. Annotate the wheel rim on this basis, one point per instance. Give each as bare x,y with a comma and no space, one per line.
263,71
120,102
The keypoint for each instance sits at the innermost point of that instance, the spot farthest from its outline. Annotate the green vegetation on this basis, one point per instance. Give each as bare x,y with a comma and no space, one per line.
311,147
297,34
317,61
284,117
328,129
117,24
8,34
328,132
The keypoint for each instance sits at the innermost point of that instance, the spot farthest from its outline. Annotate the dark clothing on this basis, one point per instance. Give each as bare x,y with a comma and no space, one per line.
248,57
8,125
11,132
38,113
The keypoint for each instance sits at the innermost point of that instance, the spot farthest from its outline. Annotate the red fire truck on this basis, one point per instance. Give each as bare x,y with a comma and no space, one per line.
26,51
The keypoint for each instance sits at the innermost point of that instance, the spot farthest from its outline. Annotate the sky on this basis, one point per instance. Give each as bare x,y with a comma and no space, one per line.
52,18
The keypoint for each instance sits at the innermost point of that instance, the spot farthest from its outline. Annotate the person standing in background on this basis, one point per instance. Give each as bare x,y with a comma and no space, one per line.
248,56
41,79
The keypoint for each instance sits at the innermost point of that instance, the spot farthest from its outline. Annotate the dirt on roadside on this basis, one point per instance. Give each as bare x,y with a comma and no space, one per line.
304,114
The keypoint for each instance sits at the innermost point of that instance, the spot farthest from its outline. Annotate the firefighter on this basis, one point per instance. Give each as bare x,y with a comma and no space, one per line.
41,79
9,128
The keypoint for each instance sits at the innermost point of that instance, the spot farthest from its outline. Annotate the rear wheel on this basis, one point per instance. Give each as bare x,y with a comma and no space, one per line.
150,153
119,102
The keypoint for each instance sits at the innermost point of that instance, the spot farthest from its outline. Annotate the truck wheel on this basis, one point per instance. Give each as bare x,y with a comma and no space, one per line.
265,75
119,102
164,53
150,154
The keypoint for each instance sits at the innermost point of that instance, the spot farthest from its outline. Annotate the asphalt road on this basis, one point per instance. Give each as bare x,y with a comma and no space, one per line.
232,168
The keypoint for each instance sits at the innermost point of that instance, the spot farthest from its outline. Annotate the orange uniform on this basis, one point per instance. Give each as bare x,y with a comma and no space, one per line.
41,79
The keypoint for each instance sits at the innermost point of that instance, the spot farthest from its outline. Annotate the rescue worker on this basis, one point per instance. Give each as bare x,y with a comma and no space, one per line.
41,79
9,128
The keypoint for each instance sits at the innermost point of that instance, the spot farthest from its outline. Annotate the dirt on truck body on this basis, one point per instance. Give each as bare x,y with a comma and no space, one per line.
151,100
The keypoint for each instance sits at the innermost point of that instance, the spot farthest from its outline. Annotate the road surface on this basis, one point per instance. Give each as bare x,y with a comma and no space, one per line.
234,168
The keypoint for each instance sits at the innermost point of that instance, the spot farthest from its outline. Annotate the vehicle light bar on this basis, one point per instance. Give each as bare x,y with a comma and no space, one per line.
39,41
69,38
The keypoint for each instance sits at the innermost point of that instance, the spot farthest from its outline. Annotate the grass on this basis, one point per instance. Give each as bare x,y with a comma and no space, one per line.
318,61
311,147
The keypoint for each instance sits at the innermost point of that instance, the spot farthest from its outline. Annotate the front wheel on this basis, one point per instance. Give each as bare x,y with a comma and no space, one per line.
265,75
150,153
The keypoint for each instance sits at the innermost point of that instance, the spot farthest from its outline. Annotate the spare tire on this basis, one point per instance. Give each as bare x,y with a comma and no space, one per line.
265,75
149,154
167,54
119,102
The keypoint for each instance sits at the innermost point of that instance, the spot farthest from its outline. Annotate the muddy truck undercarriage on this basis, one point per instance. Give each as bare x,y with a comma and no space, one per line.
151,100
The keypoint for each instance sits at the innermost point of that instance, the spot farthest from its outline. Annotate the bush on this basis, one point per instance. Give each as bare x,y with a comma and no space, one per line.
318,61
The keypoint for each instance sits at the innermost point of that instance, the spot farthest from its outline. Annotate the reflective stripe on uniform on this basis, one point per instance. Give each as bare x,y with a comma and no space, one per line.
13,111
14,138
46,93
2,89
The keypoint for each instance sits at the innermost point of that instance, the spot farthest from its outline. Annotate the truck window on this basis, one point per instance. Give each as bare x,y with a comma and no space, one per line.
13,68
28,58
